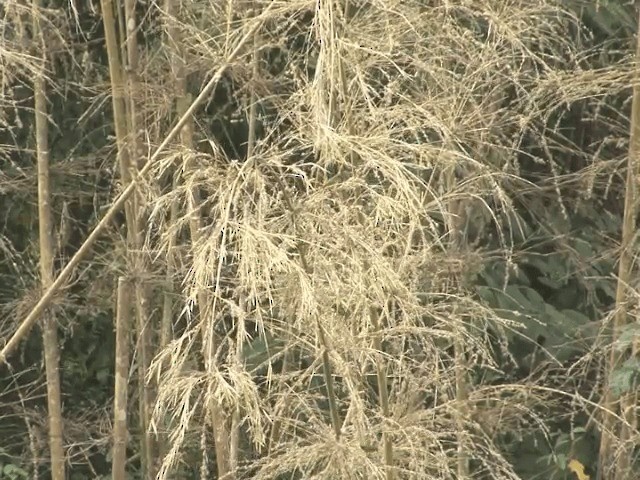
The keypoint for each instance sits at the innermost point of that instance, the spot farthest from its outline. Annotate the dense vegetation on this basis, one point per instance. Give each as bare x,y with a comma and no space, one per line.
333,239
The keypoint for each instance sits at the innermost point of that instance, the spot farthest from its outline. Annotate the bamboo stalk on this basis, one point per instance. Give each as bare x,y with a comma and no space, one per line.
456,234
120,432
183,100
210,341
141,296
234,441
128,148
618,465
45,224
328,378
383,393
462,398
177,69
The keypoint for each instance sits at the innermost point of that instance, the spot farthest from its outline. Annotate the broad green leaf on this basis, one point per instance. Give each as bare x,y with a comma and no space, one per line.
607,288
561,461
514,298
550,282
258,351
14,472
552,267
534,298
487,294
102,375
622,379
584,248
627,337
575,317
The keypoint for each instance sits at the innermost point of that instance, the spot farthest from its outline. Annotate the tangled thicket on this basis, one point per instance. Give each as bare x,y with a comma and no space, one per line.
319,233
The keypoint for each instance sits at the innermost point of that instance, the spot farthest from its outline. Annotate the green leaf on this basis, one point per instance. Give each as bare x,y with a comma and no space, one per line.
513,298
561,461
584,248
622,379
14,472
487,294
612,15
563,439
258,351
553,268
102,375
534,298
607,288
628,335
550,282
576,318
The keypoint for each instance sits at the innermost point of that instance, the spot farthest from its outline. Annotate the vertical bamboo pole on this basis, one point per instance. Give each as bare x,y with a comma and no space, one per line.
120,432
45,224
618,466
128,170
141,298
455,222
383,393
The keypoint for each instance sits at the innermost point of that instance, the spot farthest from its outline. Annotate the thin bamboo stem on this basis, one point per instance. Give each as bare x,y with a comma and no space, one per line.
457,219
328,378
383,393
45,224
614,465
120,431
138,257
